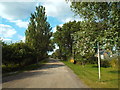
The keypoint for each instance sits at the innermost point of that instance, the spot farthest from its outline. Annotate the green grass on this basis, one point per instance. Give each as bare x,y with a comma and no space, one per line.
89,75
22,69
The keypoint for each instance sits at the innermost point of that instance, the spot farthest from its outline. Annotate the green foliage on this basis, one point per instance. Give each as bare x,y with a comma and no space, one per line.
64,39
79,39
114,62
36,46
100,24
17,69
107,13
17,53
57,54
85,40
7,50
92,60
39,32
105,63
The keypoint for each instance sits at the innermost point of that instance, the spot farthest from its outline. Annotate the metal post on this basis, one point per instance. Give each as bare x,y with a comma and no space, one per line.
99,61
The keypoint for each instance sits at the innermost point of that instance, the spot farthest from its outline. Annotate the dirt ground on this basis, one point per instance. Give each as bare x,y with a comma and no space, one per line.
52,75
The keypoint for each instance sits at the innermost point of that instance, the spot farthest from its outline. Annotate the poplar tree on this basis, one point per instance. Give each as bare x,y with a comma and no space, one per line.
107,13
39,32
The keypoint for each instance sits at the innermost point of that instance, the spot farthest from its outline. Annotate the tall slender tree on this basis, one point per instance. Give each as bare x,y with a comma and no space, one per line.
39,32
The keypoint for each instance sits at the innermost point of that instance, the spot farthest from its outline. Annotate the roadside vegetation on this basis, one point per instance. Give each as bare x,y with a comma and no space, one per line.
79,39
33,52
12,70
89,75
78,42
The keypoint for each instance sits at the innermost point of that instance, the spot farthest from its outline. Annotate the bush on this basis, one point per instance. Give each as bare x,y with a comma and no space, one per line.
105,63
92,60
114,62
81,61
17,53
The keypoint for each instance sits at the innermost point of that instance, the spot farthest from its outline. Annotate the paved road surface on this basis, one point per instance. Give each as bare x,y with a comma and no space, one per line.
53,75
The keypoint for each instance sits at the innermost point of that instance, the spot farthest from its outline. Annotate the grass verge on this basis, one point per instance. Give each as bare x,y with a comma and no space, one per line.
26,68
89,75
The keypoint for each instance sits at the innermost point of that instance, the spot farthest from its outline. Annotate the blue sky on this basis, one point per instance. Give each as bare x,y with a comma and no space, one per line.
14,16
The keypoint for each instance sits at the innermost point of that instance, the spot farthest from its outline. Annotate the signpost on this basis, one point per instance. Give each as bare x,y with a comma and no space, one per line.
98,61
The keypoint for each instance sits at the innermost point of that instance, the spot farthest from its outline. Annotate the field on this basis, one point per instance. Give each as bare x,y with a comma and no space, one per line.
89,75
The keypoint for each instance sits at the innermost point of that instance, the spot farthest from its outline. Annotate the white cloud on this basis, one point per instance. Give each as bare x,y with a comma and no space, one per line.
16,10
6,31
19,0
60,25
59,9
20,23
54,29
5,39
21,38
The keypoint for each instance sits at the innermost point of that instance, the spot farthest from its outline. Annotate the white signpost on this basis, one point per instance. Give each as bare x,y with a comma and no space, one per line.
99,61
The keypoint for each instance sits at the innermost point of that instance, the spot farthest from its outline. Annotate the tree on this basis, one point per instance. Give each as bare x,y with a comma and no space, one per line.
106,13
39,32
64,39
6,52
57,54
85,40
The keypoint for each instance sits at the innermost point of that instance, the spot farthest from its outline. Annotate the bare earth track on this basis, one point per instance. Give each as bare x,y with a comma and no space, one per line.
52,75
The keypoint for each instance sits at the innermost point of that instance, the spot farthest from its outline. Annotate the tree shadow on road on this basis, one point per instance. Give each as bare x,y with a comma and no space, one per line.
53,66
33,73
27,74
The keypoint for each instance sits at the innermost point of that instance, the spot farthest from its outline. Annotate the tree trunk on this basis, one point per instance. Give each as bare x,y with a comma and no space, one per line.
37,60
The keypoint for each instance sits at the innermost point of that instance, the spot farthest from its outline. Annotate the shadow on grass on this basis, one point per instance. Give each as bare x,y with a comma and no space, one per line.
94,66
110,80
115,72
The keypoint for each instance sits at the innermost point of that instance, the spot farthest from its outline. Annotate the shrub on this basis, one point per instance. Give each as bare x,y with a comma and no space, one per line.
114,62
17,53
81,61
92,60
105,63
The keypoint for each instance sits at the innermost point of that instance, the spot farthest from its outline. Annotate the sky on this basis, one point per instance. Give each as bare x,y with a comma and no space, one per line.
14,16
